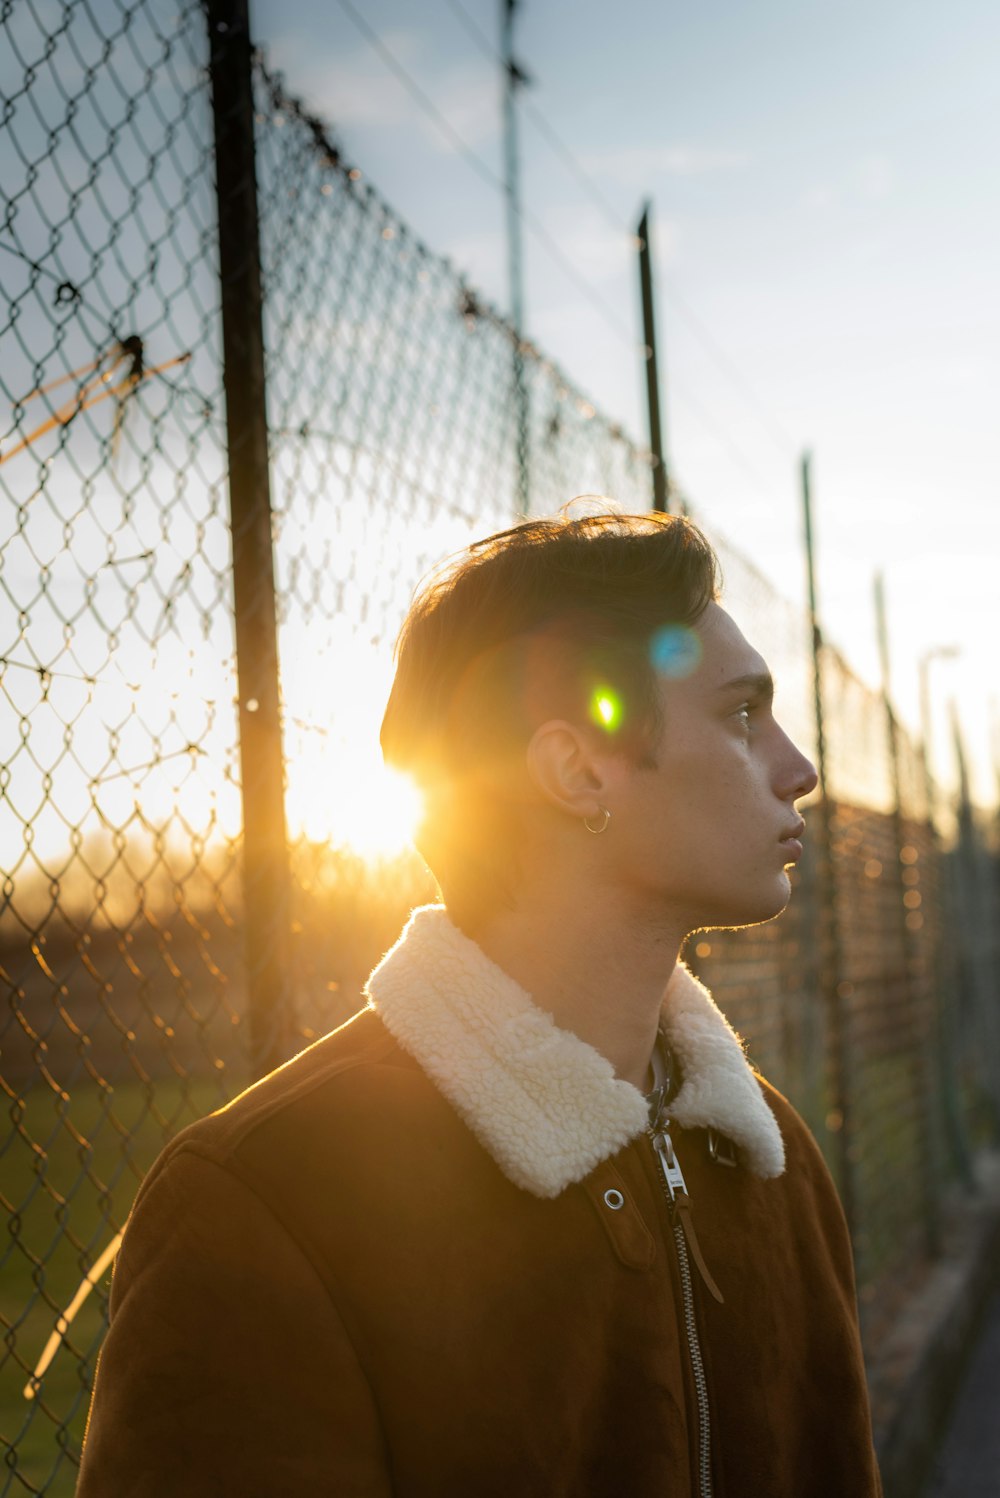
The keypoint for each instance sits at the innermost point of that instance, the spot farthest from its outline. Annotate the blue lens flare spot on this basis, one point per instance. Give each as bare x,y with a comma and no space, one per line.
606,708
675,651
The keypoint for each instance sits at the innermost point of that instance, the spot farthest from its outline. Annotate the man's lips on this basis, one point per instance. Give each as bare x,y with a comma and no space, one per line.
791,842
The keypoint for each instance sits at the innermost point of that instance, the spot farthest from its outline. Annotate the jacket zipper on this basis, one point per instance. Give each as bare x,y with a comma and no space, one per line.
673,1182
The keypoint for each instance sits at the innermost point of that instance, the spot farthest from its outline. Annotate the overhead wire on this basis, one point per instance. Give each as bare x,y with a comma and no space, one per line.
543,125
486,172
535,228
716,352
736,454
782,439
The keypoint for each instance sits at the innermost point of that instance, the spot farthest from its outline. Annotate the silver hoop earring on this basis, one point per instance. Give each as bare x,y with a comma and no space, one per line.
605,819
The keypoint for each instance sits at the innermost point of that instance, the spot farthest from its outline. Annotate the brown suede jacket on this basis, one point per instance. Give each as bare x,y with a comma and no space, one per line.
433,1257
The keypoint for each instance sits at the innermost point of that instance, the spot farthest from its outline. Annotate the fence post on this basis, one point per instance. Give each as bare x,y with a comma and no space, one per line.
266,894
661,496
515,78
975,938
925,1095
830,940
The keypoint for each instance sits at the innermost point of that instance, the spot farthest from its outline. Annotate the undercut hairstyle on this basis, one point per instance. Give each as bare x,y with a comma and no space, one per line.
556,618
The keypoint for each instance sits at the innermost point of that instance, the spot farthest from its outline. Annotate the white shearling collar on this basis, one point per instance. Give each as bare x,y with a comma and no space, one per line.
545,1104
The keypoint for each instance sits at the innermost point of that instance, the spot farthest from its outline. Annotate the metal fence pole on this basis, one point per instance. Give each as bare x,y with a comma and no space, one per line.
515,78
975,940
266,889
661,496
831,946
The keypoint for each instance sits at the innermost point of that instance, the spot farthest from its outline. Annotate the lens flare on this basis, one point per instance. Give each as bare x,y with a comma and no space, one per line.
606,709
675,651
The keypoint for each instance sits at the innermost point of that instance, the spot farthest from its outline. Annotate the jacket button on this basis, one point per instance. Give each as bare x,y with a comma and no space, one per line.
614,1200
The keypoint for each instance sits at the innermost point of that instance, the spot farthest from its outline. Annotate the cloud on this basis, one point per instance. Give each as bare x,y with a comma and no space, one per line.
874,178
869,180
352,89
468,95
482,258
601,256
359,89
597,250
819,199
635,166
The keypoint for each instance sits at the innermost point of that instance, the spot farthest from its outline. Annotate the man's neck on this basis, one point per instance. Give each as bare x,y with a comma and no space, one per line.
591,968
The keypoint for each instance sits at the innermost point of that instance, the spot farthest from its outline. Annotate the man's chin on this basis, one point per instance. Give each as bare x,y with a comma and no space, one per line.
749,913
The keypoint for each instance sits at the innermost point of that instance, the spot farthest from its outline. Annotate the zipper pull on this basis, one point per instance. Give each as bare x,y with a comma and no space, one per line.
683,1207
663,1145
681,1202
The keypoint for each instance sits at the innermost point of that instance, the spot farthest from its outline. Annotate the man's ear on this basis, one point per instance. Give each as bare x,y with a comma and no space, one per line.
564,766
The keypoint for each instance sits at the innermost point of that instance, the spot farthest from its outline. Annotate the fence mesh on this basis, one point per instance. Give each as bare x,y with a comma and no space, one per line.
394,437
119,808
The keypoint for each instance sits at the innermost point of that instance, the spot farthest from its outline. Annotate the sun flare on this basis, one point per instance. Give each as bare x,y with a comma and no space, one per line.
365,807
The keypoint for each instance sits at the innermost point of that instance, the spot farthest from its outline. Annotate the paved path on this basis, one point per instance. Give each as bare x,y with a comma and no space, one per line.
968,1463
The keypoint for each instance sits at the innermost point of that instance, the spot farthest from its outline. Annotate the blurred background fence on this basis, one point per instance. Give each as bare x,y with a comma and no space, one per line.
200,865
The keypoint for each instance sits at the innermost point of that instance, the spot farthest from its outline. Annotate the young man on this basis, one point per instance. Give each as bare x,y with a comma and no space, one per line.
528,1225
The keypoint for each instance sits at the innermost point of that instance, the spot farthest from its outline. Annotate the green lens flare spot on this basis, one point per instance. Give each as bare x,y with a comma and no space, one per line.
606,709
675,651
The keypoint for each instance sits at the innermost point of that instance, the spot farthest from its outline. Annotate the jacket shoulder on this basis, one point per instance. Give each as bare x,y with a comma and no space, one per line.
808,1176
360,1058
798,1137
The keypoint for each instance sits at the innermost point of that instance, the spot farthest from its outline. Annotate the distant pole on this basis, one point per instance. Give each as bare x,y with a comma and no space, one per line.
661,494
936,653
266,882
976,939
513,79
830,943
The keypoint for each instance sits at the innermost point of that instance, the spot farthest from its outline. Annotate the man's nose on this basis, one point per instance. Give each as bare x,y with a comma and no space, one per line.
809,780
799,774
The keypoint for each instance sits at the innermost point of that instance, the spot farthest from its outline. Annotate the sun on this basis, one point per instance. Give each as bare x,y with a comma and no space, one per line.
380,815
353,801
338,790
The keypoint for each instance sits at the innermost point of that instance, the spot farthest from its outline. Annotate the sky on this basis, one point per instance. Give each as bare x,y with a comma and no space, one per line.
826,239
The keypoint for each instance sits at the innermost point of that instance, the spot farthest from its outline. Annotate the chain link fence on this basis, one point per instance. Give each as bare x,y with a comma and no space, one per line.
120,811
394,435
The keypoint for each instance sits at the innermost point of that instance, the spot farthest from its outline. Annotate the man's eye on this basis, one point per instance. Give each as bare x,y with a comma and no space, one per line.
744,715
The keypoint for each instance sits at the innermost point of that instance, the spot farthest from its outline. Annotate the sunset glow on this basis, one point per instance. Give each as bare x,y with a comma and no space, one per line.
357,804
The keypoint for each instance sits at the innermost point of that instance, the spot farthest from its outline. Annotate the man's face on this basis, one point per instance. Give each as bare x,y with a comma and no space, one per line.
707,833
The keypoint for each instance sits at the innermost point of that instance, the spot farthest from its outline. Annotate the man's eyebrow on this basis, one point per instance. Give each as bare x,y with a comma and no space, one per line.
759,683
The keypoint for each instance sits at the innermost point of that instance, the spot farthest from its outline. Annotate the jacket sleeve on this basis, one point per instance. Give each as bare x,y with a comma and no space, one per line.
226,1369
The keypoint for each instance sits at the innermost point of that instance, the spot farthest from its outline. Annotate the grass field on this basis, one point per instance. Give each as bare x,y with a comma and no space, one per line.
71,1168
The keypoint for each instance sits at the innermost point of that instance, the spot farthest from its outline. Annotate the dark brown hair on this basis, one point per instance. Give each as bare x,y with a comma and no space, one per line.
530,624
